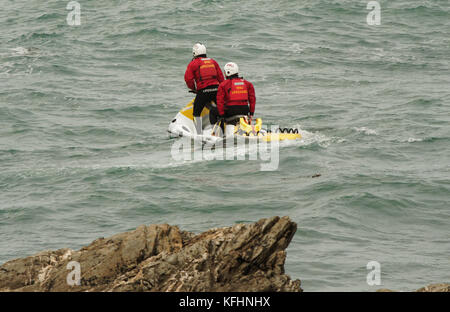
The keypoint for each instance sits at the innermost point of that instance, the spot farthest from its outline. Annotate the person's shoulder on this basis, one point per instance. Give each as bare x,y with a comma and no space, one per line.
224,83
194,62
248,82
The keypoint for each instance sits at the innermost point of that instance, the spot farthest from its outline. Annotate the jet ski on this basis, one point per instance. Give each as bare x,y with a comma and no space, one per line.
183,126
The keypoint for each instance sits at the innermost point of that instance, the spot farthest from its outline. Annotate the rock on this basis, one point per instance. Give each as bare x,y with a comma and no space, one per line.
245,257
385,290
443,287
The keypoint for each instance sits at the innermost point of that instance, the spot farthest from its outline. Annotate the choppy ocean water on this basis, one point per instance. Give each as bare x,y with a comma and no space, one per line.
84,111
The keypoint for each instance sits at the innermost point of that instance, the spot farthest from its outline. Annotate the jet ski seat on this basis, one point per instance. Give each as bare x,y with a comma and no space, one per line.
233,120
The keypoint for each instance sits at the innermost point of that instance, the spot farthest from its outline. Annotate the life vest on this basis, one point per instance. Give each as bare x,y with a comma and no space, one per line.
238,93
207,70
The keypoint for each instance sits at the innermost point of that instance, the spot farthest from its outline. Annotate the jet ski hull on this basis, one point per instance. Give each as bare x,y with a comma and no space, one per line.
183,126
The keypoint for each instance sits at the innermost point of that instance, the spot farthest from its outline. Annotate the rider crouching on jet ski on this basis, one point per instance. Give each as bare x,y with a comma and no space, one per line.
235,97
203,75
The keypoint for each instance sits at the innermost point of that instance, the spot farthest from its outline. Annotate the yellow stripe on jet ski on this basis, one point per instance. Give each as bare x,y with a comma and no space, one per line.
188,111
280,137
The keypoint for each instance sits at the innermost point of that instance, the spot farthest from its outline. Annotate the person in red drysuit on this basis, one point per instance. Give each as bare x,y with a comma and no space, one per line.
203,76
235,96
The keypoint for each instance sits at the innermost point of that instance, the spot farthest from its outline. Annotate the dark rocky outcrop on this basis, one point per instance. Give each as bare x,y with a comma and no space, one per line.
443,287
435,288
245,257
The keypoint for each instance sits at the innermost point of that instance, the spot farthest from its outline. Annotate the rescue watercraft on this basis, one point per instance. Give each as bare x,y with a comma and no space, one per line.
183,126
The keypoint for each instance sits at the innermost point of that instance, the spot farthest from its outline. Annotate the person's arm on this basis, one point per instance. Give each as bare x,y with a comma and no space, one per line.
219,72
251,97
189,77
220,100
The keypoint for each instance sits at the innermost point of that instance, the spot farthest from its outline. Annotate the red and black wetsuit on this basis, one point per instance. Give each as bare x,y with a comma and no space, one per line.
203,74
236,96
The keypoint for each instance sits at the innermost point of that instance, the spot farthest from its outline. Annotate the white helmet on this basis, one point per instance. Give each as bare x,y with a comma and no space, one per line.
198,49
231,69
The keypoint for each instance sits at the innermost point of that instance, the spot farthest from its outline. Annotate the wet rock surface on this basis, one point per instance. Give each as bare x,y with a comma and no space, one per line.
442,287
244,257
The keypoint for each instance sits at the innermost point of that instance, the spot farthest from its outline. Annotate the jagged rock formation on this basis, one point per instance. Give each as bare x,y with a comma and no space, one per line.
443,287
435,288
245,257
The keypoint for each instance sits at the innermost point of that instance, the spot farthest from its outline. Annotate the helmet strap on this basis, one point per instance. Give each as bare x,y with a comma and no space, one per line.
233,76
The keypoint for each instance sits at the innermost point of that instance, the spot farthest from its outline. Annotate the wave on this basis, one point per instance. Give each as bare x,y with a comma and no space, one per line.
49,16
365,130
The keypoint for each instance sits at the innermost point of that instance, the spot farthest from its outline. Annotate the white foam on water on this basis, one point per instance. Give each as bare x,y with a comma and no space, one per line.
20,51
412,140
365,130
163,159
318,138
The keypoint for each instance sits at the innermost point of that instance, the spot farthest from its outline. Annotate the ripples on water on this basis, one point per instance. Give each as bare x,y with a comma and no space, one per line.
84,110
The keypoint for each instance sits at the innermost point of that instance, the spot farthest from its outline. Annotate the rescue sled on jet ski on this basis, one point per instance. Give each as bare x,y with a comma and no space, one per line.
183,126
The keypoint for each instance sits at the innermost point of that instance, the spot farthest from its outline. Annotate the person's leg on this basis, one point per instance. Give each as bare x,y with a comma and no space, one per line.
232,111
213,114
199,104
204,98
229,129
236,110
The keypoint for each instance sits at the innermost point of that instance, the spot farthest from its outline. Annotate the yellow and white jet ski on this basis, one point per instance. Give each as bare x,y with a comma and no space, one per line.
183,126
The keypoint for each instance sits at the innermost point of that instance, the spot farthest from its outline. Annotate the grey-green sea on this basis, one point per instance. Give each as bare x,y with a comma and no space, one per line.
85,153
